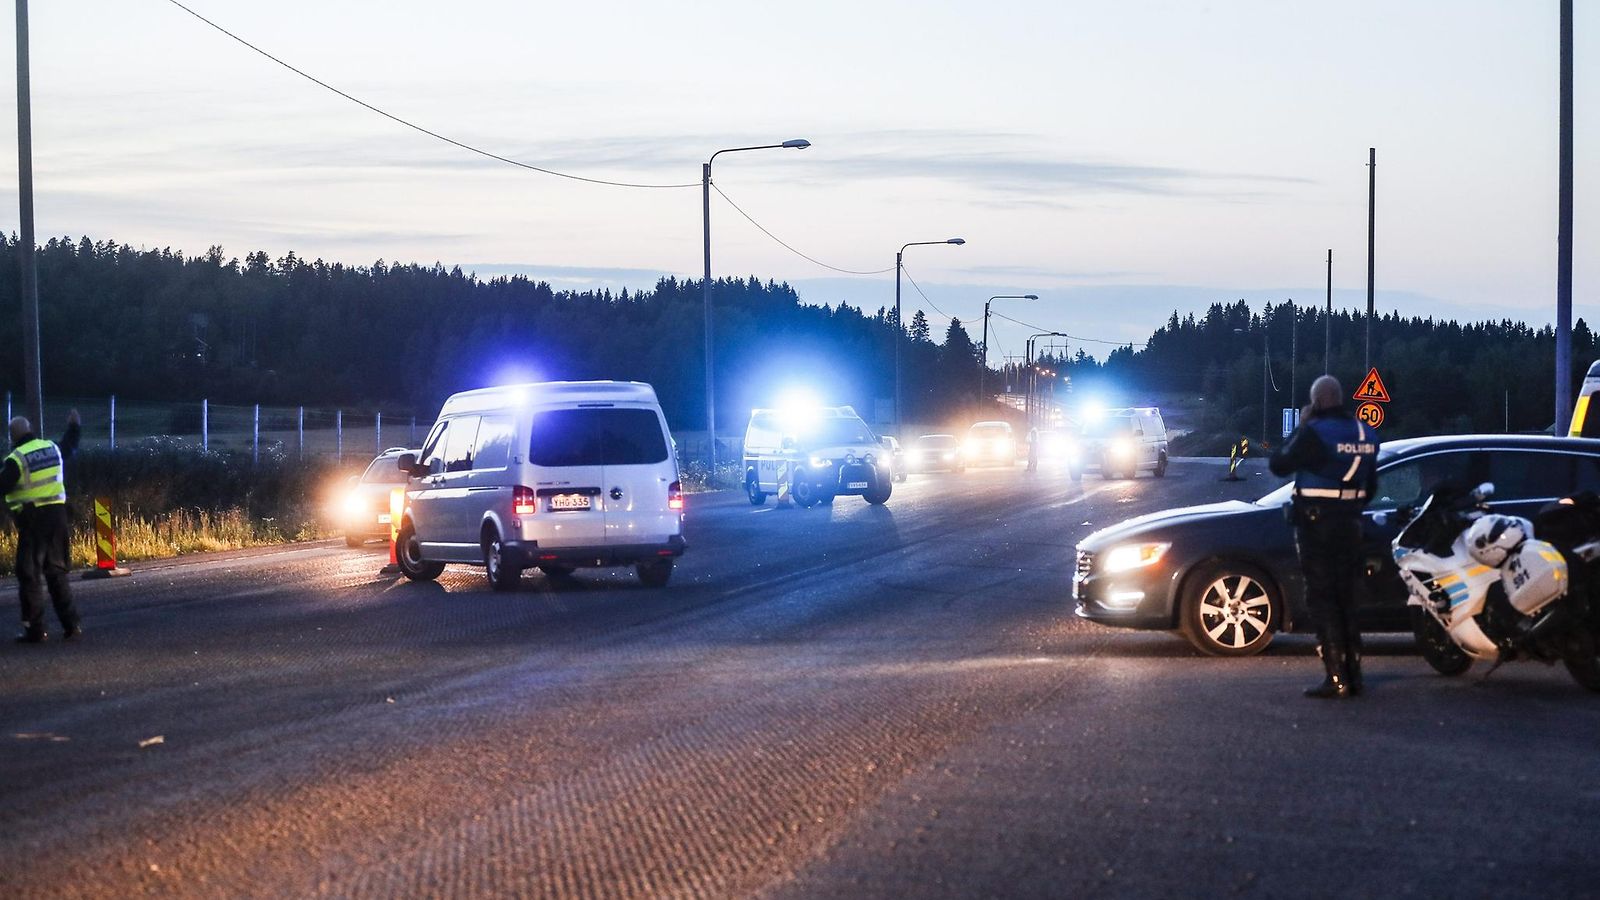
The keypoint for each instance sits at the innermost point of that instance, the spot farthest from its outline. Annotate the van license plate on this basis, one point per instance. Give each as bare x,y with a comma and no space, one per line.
857,485
569,501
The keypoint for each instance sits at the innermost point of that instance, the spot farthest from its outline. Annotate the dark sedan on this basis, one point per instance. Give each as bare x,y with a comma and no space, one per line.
1225,574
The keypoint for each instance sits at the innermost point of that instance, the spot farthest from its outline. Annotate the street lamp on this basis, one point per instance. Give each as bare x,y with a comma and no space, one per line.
899,257
984,372
1266,372
1033,375
705,284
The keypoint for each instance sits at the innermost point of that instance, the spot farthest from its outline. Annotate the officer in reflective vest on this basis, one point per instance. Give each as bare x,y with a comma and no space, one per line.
35,490
1333,459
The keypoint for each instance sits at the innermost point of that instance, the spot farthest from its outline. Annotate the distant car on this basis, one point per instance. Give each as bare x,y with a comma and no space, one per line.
935,453
1226,575
990,444
816,453
894,456
1122,443
364,510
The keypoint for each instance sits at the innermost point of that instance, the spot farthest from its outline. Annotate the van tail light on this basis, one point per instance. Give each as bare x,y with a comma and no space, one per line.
523,500
675,495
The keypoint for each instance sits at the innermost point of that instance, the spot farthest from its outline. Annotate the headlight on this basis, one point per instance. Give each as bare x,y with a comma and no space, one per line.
818,462
1134,556
1122,447
949,456
354,505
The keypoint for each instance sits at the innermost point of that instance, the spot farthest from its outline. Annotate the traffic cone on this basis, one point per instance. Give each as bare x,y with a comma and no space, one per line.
397,511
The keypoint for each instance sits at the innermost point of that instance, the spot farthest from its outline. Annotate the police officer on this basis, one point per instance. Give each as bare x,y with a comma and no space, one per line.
35,490
1333,459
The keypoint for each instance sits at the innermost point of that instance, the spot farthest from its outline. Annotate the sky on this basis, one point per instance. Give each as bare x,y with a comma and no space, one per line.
1121,160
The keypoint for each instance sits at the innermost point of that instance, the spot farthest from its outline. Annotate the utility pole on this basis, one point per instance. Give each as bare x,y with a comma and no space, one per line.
705,302
1564,234
33,387
1294,345
1327,323
1372,198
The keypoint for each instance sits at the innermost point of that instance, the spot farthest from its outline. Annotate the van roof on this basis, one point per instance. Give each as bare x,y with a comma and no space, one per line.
509,395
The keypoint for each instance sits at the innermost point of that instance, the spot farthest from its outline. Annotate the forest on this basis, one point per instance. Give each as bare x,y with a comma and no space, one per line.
158,325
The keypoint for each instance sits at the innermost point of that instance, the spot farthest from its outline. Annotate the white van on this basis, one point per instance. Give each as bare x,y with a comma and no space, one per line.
819,453
556,475
1121,442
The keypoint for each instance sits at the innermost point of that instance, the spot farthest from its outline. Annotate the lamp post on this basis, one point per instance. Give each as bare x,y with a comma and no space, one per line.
899,258
705,284
983,373
1266,373
1033,379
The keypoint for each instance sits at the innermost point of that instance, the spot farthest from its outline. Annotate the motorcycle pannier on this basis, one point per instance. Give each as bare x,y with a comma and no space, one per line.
1533,576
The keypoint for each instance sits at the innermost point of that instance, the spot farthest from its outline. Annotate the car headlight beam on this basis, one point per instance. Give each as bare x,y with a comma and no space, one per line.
1134,556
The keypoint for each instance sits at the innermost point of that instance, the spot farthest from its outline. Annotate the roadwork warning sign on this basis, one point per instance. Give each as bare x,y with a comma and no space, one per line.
1372,388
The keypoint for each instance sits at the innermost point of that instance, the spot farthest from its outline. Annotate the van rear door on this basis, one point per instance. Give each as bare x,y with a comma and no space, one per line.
568,456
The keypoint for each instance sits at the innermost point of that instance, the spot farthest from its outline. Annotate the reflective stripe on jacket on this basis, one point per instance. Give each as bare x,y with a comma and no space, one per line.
42,482
1346,468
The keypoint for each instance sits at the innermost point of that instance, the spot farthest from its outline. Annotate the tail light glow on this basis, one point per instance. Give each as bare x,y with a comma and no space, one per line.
675,495
523,500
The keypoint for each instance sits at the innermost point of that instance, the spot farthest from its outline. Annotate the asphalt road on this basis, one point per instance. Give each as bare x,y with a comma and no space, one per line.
852,701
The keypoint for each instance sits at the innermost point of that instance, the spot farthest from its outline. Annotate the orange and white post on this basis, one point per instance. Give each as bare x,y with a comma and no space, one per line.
397,511
105,542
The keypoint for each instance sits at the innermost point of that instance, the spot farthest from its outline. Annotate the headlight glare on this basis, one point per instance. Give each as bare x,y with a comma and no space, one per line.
1134,556
820,462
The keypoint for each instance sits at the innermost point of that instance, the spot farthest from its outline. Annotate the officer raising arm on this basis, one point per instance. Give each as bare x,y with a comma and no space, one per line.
1333,459
35,489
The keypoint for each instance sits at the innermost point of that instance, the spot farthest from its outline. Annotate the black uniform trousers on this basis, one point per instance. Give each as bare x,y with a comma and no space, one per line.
1329,543
43,557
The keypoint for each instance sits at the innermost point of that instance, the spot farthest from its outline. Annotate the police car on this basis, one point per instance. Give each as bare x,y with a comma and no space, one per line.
814,454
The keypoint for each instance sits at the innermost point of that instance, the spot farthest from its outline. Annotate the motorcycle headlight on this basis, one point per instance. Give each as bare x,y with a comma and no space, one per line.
820,462
1134,556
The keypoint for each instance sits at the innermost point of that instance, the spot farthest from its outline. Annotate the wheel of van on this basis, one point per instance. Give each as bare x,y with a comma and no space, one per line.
802,490
655,573
502,576
1161,465
408,554
1436,647
752,489
1230,609
879,493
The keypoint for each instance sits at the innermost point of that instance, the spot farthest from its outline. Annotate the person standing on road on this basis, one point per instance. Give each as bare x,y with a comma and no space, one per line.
1333,459
35,487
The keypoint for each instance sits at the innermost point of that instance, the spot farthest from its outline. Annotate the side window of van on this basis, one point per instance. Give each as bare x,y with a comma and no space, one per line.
493,450
433,447
458,444
763,434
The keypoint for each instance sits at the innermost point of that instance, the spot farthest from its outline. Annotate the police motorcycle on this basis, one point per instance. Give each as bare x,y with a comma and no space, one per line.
1483,588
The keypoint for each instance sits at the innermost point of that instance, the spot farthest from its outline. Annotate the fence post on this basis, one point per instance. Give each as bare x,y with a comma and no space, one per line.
255,437
113,421
377,431
300,432
338,431
205,425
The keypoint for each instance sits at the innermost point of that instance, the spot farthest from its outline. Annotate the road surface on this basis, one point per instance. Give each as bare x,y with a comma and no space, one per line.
854,701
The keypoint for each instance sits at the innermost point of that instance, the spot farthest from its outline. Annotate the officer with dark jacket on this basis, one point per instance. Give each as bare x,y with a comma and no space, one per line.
1333,459
35,489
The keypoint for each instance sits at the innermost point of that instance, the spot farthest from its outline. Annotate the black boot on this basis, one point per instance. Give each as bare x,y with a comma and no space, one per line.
1352,670
32,636
1333,683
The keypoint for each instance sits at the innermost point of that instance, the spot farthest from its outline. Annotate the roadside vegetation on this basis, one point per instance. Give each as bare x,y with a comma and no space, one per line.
168,499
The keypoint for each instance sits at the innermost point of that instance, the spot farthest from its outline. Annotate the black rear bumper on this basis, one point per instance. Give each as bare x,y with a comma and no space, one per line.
603,556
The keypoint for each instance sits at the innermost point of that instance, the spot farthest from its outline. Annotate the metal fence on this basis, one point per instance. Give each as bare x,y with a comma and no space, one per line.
299,431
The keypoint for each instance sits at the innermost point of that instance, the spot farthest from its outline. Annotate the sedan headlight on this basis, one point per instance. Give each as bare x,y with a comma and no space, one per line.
819,462
354,506
1134,556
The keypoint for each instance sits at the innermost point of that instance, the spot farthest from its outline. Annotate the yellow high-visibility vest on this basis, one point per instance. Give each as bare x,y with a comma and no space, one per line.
42,482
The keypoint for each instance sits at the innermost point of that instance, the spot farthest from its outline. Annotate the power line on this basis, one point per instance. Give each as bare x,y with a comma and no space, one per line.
415,127
790,247
1075,337
918,288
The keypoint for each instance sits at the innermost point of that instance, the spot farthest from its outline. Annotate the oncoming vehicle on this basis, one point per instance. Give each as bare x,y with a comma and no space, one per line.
1226,574
935,453
894,457
364,509
990,444
558,475
1122,443
816,454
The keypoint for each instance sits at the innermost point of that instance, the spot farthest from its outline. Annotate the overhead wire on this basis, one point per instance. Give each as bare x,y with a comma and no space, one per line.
788,246
1075,337
415,127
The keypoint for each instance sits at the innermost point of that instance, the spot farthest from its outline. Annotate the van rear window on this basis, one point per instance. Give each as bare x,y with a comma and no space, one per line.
597,437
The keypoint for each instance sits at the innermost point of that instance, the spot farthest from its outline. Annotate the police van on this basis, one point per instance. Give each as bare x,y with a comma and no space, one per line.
558,475
1121,443
1585,418
814,454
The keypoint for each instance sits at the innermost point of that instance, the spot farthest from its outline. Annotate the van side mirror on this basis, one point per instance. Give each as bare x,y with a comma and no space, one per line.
1483,491
408,463
436,466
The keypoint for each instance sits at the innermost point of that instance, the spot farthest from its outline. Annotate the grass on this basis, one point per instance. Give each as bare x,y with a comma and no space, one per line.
171,534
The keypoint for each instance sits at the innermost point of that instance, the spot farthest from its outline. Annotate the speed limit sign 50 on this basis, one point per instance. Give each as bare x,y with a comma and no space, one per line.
1370,414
